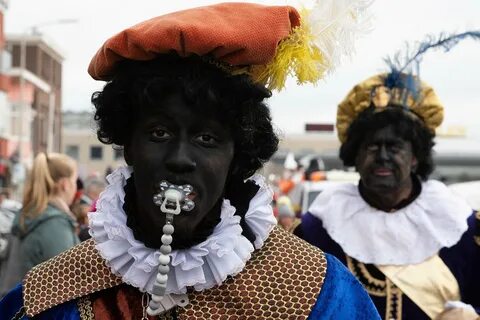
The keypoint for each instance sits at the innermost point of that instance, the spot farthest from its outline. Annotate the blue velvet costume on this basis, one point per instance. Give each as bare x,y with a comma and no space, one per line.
463,260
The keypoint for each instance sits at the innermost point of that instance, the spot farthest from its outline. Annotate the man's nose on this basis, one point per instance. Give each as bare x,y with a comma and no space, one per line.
382,153
179,159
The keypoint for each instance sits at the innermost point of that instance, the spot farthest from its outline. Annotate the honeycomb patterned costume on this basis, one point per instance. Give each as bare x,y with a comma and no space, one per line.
286,279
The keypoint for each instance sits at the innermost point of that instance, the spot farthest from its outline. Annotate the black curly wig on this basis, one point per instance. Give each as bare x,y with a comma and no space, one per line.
405,124
238,100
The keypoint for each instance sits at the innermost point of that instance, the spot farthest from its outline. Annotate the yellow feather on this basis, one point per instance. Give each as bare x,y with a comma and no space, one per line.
296,56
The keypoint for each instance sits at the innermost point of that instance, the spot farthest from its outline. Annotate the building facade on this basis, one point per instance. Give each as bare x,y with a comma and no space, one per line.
35,93
80,142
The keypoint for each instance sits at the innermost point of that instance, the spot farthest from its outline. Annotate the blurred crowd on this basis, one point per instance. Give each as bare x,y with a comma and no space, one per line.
298,185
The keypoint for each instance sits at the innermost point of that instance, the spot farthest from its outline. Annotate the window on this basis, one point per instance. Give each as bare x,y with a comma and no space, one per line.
118,154
96,152
72,151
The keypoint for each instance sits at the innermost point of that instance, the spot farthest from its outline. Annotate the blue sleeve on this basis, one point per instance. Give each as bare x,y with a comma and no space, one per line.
463,260
13,302
342,296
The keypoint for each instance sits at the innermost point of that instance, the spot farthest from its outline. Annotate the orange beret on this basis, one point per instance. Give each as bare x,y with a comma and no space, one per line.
269,43
237,34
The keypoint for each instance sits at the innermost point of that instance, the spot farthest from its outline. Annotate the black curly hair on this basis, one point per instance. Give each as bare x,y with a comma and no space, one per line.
406,125
239,102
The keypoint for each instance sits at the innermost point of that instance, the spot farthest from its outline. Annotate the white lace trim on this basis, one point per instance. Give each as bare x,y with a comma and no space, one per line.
202,266
436,219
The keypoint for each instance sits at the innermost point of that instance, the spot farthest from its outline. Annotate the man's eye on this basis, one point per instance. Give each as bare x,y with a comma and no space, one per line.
160,134
206,139
372,147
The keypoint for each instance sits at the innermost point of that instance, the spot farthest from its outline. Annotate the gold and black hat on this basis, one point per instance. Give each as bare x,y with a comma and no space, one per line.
373,93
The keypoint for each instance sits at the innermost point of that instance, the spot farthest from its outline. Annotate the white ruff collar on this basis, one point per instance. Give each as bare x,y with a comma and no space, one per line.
202,266
436,219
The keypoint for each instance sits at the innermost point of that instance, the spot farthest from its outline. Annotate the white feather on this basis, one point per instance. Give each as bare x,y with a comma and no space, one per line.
336,25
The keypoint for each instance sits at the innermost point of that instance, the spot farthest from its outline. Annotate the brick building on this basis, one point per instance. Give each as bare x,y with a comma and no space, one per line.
36,92
80,142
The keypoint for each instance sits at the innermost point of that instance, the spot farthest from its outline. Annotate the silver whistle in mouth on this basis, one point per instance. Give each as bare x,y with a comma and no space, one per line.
173,198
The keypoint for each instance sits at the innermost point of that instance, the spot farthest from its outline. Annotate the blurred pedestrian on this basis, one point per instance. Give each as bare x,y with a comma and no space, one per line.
314,172
80,211
7,203
3,172
87,203
79,192
46,225
286,215
108,171
93,188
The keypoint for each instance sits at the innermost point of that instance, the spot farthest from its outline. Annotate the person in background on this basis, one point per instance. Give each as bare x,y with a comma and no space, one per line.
3,172
7,203
93,189
410,241
286,215
87,203
108,171
313,172
80,212
6,221
287,182
79,192
45,225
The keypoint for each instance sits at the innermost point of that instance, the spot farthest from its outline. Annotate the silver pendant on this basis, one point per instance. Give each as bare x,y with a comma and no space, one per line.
172,199
172,196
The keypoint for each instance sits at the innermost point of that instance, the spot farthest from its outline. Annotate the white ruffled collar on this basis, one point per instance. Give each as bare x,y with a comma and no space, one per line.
435,220
202,266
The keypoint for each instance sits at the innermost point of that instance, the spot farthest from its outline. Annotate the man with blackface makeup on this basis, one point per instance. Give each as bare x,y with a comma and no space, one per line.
186,230
413,244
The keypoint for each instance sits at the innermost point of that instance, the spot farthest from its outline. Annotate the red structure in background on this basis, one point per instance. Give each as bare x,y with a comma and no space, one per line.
319,127
5,81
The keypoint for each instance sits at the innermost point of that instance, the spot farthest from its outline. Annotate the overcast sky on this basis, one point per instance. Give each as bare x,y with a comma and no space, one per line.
454,75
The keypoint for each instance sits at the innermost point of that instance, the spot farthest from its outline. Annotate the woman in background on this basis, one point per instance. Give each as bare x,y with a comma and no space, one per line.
46,226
